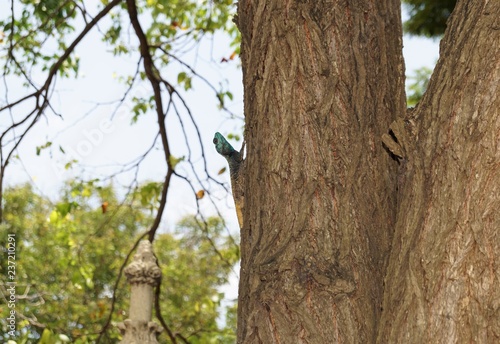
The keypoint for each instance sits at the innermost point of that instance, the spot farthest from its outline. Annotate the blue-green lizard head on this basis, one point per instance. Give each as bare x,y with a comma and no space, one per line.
223,147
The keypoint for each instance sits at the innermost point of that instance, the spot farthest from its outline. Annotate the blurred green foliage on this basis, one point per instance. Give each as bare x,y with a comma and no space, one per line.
427,17
68,255
416,89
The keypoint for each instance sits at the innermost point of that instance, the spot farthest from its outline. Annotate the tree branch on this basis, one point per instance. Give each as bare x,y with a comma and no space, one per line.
44,91
155,80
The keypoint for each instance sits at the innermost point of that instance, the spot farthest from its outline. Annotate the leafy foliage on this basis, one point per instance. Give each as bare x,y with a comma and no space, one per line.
197,255
40,24
77,245
417,88
428,17
69,254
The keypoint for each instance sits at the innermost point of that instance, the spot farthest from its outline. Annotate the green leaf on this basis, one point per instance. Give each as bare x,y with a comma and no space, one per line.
185,80
70,164
142,105
232,136
150,193
174,161
54,216
47,337
65,208
39,148
181,77
416,90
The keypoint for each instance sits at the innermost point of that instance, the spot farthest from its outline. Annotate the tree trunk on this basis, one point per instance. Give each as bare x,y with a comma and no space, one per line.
323,81
442,284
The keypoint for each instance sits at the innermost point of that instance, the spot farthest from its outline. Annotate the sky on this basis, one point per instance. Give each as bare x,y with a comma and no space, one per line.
100,145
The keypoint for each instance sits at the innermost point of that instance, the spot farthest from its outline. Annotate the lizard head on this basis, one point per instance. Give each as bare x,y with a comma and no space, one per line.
223,147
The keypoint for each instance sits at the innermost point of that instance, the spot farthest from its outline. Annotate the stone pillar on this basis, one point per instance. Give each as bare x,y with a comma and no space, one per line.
143,274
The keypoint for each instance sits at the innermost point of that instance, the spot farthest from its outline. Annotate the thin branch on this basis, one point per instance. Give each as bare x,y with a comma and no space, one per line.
161,207
55,67
152,75
158,313
44,90
205,80
50,17
184,339
205,226
7,159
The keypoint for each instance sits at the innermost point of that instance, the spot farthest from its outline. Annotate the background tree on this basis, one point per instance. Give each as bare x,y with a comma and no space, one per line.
427,17
39,43
341,243
416,89
197,262
69,293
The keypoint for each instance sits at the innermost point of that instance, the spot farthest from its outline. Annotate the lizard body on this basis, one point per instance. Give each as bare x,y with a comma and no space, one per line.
235,162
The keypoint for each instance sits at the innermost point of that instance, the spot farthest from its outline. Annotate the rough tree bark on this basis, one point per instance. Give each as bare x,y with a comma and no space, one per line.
323,81
330,212
443,278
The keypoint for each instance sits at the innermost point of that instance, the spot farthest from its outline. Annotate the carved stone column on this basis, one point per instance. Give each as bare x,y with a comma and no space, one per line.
143,274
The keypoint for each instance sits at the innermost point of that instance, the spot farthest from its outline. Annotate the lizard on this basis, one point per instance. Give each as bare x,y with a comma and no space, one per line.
236,166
